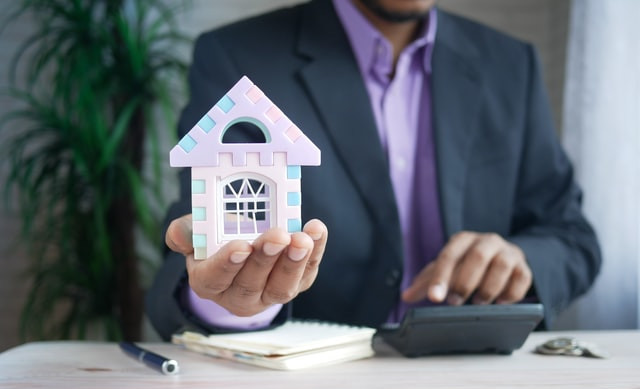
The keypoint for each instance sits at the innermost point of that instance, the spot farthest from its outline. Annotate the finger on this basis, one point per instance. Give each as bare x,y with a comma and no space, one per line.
179,236
211,277
318,232
433,281
283,283
495,279
473,266
249,283
518,286
419,289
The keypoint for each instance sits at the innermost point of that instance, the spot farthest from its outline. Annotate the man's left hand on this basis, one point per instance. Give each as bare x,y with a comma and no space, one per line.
481,265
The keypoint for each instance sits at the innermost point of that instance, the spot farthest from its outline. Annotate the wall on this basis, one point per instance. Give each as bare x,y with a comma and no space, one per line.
601,122
542,22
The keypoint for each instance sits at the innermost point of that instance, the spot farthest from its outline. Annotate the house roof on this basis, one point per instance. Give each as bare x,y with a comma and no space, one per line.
245,102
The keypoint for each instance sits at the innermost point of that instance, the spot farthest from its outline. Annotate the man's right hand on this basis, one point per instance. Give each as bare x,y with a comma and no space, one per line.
248,278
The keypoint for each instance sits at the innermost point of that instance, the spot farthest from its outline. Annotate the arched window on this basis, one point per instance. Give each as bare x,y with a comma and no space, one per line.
246,206
245,130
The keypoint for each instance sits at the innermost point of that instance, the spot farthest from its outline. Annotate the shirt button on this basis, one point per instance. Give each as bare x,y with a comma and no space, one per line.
401,163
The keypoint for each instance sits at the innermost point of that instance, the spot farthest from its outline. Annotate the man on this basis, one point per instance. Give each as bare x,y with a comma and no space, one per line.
441,179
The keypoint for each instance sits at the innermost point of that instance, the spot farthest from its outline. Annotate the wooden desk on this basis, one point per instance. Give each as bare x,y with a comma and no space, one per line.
103,365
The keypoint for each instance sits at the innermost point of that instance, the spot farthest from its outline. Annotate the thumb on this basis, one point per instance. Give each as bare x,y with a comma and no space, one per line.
179,236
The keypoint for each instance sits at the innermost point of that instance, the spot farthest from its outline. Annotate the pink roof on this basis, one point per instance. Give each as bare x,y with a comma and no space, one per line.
244,102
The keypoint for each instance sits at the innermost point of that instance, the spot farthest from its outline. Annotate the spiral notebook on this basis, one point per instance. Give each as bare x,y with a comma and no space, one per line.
293,345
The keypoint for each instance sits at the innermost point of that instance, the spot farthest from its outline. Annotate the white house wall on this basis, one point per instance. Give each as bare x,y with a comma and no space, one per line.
205,195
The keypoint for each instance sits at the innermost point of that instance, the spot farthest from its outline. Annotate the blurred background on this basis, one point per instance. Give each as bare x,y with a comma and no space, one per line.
590,55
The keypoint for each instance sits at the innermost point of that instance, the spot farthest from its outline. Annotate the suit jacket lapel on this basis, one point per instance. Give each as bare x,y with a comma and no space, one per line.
333,81
456,95
335,86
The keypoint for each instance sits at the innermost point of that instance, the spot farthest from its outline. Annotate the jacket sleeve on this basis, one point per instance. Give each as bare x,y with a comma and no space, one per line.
548,224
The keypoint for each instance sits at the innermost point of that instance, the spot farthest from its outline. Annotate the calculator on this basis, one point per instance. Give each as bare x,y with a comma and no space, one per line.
477,329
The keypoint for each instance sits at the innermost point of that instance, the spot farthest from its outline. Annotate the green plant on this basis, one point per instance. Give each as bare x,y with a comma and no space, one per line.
90,82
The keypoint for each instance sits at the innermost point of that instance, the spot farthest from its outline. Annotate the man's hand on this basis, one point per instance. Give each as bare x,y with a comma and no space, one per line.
483,265
248,278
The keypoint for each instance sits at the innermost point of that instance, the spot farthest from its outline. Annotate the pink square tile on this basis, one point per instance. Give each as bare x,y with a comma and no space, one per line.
274,114
254,94
293,133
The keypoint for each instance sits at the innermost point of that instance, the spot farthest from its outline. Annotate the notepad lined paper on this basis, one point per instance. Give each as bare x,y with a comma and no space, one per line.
294,345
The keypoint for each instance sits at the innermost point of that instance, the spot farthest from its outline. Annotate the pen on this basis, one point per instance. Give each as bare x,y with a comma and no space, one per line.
153,360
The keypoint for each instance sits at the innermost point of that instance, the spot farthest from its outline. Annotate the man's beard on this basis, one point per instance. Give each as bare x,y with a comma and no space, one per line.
393,16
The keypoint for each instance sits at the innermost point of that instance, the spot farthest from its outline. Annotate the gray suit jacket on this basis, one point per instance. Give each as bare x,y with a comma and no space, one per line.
500,166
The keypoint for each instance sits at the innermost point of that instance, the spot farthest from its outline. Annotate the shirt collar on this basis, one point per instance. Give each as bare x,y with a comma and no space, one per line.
372,50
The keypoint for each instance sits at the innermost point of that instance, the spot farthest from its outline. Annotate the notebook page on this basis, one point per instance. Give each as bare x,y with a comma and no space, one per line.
291,337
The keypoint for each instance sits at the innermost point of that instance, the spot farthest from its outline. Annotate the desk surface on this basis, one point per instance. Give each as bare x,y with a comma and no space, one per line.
103,365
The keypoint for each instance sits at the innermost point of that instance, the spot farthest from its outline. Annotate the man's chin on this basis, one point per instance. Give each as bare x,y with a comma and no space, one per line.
392,15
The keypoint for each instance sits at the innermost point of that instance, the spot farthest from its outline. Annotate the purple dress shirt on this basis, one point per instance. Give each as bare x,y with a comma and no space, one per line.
401,104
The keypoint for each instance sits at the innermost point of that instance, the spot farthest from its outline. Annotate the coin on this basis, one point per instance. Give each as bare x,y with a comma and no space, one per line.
570,346
593,351
560,343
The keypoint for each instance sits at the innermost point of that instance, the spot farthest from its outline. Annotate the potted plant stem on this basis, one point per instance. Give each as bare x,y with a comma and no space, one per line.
90,83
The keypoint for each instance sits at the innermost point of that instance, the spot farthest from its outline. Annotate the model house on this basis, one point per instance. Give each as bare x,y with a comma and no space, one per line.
240,190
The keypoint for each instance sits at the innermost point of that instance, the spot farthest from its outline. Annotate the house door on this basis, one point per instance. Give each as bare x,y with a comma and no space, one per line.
246,202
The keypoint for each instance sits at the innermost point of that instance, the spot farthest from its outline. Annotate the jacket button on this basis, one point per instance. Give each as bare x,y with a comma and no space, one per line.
393,277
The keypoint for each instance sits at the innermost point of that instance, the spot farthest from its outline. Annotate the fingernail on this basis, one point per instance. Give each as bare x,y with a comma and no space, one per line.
438,292
480,301
296,253
315,236
186,230
455,299
239,256
272,249
172,243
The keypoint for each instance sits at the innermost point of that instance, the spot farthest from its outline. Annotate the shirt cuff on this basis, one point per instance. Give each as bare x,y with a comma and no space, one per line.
215,315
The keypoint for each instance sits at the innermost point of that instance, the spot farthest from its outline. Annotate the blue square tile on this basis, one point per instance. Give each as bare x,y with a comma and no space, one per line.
187,143
225,104
294,225
206,123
